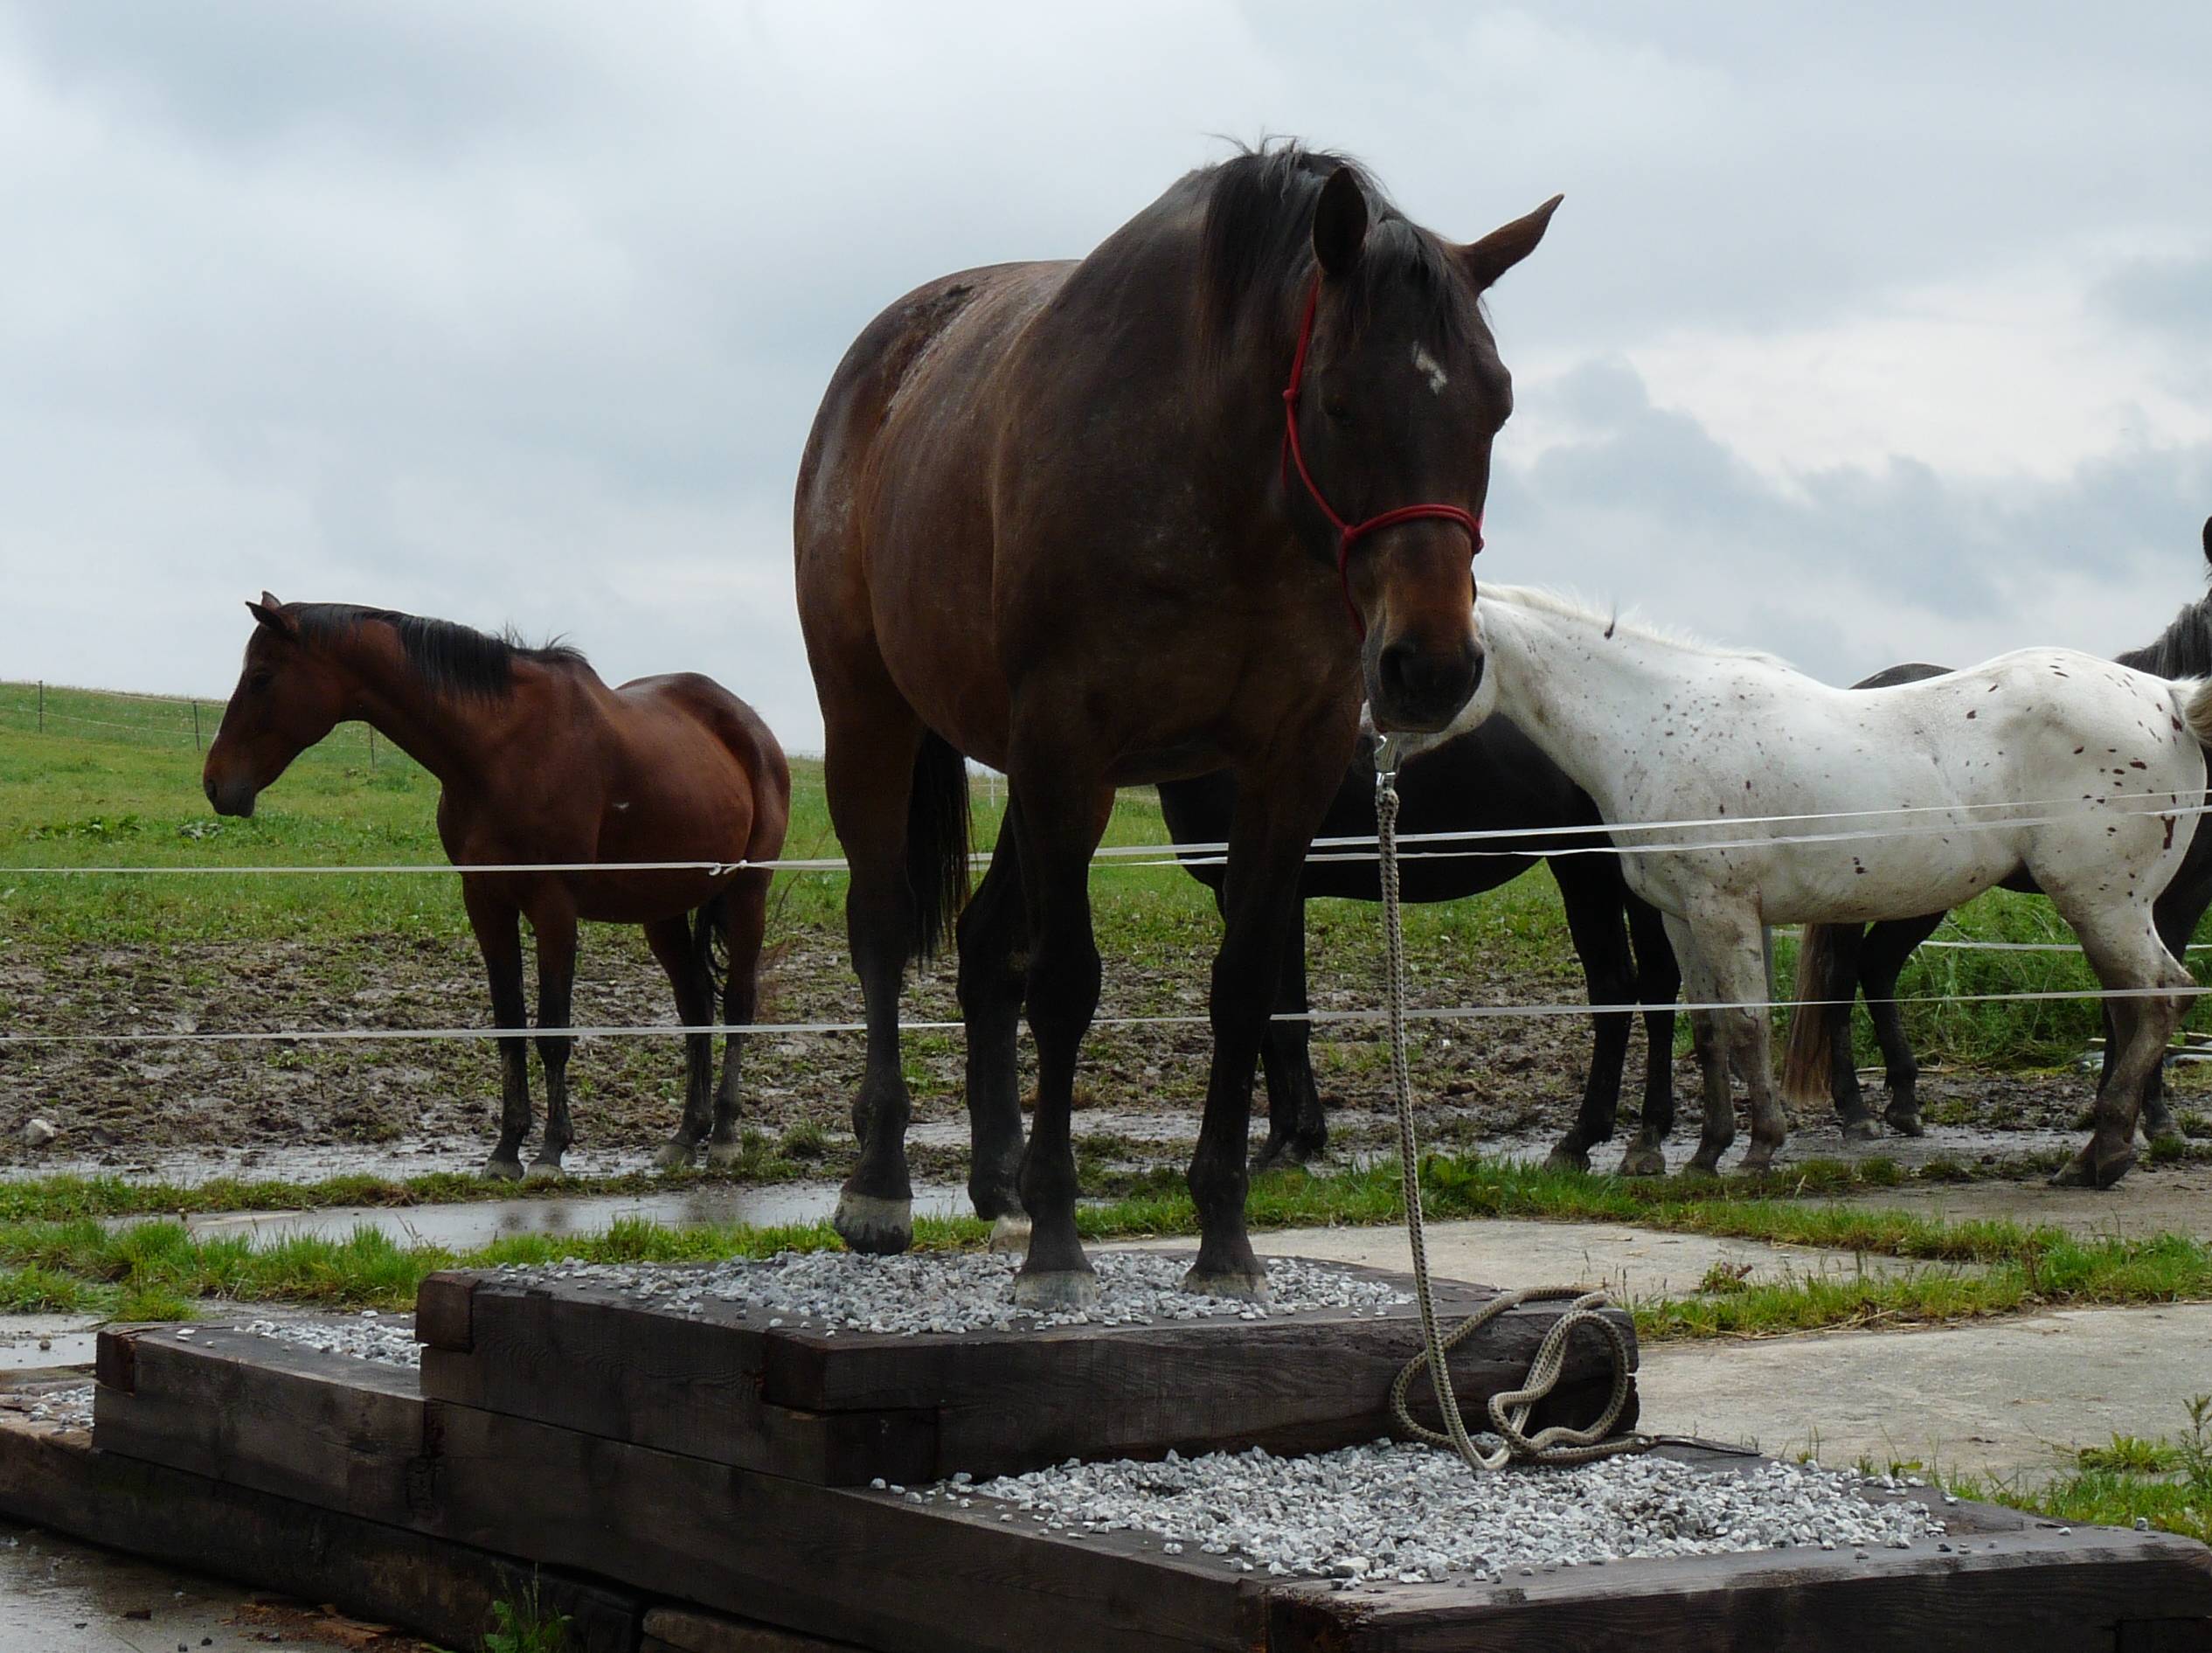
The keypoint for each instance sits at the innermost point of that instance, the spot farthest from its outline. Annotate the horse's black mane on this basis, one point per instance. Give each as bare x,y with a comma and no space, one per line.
2184,649
452,658
1258,238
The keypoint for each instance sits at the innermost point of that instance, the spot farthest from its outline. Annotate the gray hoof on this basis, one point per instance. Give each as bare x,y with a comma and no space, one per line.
1861,1130
672,1157
880,1227
1239,1288
509,1171
1058,1292
2088,1169
1704,1165
544,1170
726,1153
1905,1124
1564,1158
1758,1162
1011,1233
1643,1162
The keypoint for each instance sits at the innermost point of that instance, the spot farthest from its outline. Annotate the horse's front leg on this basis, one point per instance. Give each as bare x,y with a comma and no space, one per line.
1658,983
1277,816
1882,960
1592,895
1297,1127
1062,816
498,929
554,924
746,923
1732,952
670,939
992,935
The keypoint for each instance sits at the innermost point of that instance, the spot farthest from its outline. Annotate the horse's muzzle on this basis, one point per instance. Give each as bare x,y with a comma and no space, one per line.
1420,690
229,797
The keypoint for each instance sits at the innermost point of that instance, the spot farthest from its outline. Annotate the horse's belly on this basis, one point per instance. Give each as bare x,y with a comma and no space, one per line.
1879,879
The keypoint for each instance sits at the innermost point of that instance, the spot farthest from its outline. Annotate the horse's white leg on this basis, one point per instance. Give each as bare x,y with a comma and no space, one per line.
2123,950
1732,954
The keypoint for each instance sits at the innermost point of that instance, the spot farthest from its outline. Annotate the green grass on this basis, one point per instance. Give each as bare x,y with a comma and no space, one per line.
2165,1484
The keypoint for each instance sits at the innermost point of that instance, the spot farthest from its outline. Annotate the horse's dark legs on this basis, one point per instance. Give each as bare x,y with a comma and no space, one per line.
1297,1127
498,929
1658,983
868,807
994,935
1593,896
1846,944
745,921
1060,822
1882,960
2175,916
670,939
556,930
1268,840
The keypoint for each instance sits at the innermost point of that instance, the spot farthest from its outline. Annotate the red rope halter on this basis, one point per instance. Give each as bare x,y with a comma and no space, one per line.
1349,534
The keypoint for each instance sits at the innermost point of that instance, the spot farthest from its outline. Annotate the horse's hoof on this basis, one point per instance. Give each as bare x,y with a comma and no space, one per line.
1757,1162
1011,1233
2087,1170
2163,1131
880,1227
1565,1158
1703,1164
672,1157
544,1170
1861,1130
507,1170
1288,1150
1905,1124
1643,1162
722,1154
1059,1291
1237,1287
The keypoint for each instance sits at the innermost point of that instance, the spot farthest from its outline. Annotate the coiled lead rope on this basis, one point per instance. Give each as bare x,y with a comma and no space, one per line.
1509,1411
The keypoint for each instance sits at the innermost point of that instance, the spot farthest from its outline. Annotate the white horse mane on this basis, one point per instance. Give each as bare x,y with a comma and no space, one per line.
1614,623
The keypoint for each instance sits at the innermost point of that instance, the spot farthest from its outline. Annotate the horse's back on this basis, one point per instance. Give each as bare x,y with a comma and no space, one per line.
683,727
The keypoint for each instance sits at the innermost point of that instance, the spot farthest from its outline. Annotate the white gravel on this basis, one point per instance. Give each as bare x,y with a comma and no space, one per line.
68,1408
368,1337
1414,1514
961,1291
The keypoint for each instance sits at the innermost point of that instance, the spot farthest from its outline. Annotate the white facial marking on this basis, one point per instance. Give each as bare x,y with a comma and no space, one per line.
1429,369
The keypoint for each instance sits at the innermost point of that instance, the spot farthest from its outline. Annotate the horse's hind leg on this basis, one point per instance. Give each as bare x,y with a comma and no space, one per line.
2177,912
498,929
555,925
1882,960
670,939
2124,957
1658,983
1593,896
745,922
993,933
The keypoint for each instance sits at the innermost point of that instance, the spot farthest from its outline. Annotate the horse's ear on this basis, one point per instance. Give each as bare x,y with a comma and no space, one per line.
1487,260
1340,223
270,613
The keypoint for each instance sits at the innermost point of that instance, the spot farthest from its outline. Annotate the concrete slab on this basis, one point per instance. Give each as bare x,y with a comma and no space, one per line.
2171,1199
1630,1263
2005,1399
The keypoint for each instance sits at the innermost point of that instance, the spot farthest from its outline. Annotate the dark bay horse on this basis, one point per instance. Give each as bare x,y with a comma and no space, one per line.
1080,521
1491,780
540,762
1837,960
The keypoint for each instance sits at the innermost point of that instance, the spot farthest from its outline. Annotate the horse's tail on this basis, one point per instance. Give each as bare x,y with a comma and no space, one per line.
2196,701
711,942
940,842
1822,976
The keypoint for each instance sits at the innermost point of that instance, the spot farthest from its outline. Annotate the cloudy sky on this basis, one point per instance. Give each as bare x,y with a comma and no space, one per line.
1864,334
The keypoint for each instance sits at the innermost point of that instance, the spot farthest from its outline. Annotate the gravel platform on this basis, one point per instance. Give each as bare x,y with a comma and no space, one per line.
387,1340
1417,1515
955,1291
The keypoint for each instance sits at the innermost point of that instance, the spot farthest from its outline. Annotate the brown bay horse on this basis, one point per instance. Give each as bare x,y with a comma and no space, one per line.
541,763
1160,511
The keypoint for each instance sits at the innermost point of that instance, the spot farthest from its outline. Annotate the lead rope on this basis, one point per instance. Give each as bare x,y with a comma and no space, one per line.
1509,1412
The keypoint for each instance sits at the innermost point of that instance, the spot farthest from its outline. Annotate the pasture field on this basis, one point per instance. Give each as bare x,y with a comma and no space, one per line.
114,781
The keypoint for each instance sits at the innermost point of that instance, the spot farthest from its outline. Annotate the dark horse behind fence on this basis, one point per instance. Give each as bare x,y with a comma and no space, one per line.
1155,512
1492,780
541,763
1837,960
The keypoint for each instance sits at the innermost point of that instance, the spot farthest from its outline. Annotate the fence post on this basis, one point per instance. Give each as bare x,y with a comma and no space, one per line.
196,745
42,706
373,746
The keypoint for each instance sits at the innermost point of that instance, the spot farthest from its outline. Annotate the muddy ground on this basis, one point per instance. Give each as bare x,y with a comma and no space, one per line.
124,1104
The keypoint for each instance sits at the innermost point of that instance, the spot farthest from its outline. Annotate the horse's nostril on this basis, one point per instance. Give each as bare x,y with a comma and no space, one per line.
1425,681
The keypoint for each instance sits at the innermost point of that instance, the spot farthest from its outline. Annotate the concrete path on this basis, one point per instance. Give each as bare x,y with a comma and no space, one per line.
2171,1200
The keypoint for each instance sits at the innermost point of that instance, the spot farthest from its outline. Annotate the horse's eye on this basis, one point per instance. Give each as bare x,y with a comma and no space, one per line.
259,683
1337,408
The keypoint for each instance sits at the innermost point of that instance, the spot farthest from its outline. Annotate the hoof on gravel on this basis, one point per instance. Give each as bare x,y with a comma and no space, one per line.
1861,1130
672,1157
1643,1162
2086,1170
544,1170
1564,1158
1237,1287
880,1227
1057,1292
506,1169
721,1154
1011,1233
1905,1124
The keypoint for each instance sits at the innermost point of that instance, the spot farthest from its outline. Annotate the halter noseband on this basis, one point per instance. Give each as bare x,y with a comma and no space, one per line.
1349,534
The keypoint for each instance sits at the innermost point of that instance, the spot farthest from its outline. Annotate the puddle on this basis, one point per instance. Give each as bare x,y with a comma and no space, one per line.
30,1342
463,1226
